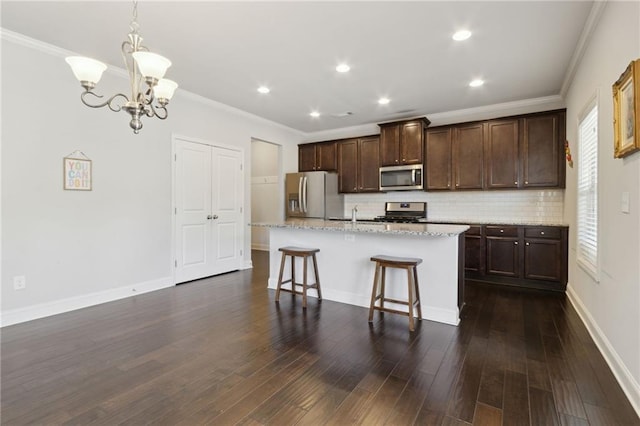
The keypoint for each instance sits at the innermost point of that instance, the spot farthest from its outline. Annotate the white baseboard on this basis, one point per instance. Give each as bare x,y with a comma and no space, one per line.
42,310
627,382
247,265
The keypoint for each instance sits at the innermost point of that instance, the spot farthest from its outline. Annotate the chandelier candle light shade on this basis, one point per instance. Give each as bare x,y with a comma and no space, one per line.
141,65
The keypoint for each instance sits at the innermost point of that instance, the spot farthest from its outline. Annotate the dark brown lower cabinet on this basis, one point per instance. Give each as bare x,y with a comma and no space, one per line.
525,256
473,249
542,259
503,251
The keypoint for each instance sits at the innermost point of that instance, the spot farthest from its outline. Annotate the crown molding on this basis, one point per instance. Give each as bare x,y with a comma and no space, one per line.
485,112
50,49
581,47
457,116
441,118
233,110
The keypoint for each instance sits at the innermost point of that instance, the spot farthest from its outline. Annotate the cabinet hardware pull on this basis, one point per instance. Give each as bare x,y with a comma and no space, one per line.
502,230
527,243
541,232
515,182
515,243
526,182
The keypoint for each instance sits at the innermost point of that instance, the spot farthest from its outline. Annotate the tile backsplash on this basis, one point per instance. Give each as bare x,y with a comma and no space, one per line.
518,206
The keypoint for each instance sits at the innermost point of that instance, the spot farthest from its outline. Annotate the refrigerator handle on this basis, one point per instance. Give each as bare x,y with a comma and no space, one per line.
304,195
300,193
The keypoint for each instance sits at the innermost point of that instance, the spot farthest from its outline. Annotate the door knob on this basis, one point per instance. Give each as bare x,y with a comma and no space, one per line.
215,216
209,217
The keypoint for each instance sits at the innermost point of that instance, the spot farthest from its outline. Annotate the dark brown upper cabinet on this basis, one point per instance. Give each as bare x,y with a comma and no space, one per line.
358,164
468,155
542,150
402,142
321,156
438,164
501,154
454,157
511,153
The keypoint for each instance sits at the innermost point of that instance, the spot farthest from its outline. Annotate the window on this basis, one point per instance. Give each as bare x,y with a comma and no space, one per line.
587,250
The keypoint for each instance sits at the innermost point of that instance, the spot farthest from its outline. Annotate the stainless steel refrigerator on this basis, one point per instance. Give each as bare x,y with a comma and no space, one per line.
313,194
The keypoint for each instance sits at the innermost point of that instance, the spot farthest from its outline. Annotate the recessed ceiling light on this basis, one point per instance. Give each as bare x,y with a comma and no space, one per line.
461,35
263,89
383,101
343,68
476,83
314,114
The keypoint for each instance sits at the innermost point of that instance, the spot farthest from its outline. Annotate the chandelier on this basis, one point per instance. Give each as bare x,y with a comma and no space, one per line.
142,65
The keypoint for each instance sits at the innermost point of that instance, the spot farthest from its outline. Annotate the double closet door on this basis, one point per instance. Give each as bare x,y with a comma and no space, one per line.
209,193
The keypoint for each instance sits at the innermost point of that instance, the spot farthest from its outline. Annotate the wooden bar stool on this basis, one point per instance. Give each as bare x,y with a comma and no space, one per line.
305,254
410,265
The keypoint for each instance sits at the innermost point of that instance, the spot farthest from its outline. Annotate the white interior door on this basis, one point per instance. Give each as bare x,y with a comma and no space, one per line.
209,193
228,196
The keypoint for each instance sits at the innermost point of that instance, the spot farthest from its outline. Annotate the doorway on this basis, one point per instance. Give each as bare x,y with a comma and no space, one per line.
266,190
208,193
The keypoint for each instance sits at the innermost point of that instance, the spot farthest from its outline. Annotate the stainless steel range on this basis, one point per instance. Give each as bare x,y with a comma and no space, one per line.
404,212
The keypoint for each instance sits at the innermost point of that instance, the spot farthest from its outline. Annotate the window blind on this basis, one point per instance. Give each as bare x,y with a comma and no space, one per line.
588,190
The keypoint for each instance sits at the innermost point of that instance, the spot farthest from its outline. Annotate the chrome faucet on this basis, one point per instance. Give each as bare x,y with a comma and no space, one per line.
354,212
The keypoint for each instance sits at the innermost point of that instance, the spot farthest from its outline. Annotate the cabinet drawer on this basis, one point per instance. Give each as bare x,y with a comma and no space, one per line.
474,230
501,231
542,232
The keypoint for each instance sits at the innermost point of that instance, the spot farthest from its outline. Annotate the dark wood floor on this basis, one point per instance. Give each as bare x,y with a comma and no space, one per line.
220,351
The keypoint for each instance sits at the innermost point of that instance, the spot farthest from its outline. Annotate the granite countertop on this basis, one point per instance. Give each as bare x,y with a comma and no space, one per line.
468,222
417,229
495,222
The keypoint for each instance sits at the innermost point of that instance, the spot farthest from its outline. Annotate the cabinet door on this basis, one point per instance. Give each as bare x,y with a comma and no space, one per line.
389,145
502,250
347,166
307,157
542,151
543,259
438,159
468,156
411,140
473,249
501,154
503,256
368,164
326,156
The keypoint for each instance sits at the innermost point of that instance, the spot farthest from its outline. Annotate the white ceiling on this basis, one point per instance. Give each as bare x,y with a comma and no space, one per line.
403,50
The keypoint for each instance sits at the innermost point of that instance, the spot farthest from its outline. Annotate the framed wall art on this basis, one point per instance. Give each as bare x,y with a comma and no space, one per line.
626,111
77,172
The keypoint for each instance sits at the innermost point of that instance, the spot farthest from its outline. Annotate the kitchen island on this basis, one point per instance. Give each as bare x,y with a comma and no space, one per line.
346,272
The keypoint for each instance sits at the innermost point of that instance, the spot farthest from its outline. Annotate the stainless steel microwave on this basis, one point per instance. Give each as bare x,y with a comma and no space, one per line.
401,178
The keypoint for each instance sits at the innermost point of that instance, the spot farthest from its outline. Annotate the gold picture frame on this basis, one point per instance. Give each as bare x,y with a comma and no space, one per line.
626,111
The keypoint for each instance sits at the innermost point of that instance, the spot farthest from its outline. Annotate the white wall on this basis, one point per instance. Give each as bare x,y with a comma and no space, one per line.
77,248
266,191
611,307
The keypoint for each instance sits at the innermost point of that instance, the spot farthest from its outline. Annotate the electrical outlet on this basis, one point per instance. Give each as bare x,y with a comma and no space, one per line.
19,282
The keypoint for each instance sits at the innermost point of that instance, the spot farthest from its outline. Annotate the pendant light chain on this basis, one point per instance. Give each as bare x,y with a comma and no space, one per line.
134,22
